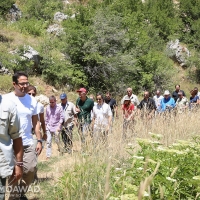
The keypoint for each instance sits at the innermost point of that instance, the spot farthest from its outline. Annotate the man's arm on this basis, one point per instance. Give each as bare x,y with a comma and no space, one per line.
43,126
15,135
18,151
36,128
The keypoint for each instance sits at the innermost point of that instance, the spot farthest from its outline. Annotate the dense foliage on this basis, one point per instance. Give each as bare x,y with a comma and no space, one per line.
113,43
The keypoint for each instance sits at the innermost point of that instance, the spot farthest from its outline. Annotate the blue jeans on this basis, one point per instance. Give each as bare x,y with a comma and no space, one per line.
49,141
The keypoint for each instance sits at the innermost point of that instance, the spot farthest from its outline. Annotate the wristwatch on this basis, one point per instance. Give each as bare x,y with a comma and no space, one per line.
39,141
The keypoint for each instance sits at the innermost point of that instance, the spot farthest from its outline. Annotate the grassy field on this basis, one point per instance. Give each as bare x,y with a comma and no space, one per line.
148,164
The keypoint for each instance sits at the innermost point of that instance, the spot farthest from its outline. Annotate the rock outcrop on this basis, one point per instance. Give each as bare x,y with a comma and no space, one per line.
15,13
42,99
178,52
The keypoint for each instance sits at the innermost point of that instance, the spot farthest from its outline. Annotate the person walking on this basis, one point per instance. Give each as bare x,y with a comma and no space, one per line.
194,99
70,119
84,106
53,121
167,103
147,107
128,115
157,98
112,103
10,145
133,98
27,111
175,93
182,103
101,119
31,90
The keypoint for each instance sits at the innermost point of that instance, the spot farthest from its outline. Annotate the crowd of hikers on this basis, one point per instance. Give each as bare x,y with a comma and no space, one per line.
25,124
94,115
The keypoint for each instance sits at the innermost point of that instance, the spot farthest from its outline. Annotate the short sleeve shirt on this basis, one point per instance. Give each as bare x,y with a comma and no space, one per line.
9,129
101,114
26,108
69,110
85,109
128,109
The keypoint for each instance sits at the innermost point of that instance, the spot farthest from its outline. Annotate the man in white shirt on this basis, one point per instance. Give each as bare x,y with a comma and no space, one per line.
133,98
101,119
157,98
27,111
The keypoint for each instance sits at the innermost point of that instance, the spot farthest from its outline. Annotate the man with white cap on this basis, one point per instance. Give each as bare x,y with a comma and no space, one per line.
84,106
70,119
167,102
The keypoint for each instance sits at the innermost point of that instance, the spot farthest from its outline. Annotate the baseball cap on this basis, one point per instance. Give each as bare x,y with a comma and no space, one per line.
82,90
63,96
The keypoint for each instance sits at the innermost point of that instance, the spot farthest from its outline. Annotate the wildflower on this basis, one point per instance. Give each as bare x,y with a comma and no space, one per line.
138,157
196,178
118,169
146,194
155,142
160,148
171,179
140,168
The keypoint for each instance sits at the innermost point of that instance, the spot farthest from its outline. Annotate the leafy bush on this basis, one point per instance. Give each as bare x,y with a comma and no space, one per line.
41,10
6,83
31,26
5,5
158,172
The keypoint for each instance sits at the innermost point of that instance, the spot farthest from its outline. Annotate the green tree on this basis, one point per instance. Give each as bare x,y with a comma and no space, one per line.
5,5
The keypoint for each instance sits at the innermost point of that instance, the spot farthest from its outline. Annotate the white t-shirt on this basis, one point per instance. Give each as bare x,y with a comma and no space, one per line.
26,108
158,101
40,109
101,114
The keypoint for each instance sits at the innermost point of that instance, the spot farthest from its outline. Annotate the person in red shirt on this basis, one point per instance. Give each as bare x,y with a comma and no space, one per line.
128,114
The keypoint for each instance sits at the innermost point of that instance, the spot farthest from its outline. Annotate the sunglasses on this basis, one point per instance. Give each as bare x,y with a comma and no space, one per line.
23,84
32,94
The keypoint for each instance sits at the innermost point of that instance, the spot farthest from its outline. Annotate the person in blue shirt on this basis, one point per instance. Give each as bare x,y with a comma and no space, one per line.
167,103
194,99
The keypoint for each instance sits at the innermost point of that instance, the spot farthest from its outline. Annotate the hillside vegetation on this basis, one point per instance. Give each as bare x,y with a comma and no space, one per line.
106,45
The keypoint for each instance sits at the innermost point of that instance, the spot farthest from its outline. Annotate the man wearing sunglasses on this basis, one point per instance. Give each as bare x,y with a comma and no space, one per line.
27,111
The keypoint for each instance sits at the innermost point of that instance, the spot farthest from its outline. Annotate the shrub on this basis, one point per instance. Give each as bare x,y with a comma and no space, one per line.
5,5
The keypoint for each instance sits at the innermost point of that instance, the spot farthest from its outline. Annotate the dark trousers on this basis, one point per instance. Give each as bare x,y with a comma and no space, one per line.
2,188
67,136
